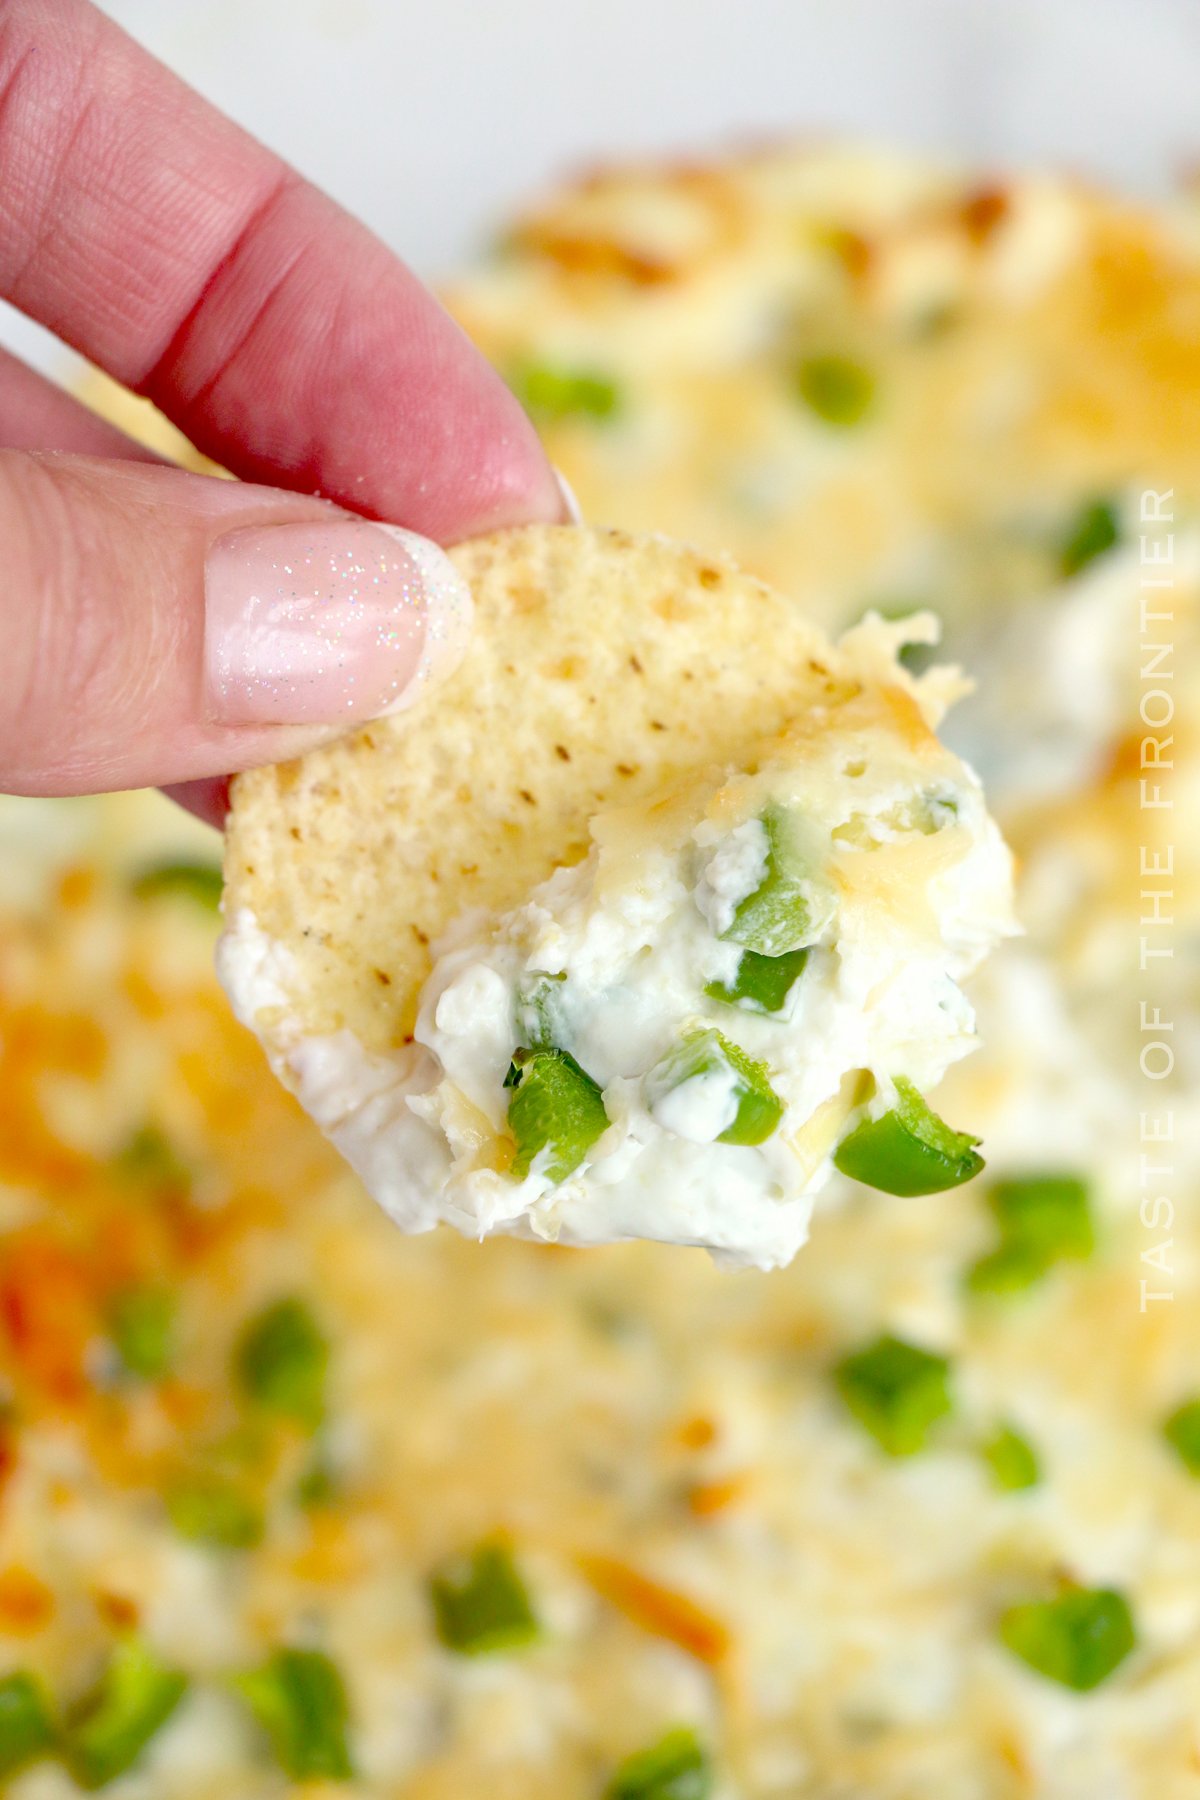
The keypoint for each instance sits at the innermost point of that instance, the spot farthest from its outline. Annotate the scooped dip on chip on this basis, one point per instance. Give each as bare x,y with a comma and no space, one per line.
652,913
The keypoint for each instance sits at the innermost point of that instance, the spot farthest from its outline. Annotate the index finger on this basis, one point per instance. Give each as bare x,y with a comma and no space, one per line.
285,339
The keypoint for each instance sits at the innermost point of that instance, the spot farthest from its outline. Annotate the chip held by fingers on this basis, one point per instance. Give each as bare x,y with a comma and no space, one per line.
651,913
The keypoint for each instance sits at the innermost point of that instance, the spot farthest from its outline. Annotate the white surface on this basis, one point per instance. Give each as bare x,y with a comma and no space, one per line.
431,118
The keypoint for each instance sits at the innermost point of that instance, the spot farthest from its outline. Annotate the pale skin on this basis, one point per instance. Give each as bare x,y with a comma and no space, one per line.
162,241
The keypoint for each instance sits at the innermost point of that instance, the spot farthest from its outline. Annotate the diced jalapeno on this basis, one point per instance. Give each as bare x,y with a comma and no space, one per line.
1012,1460
141,1323
1049,1212
708,1054
909,1150
1094,530
299,1699
551,392
318,1482
191,879
1009,1269
480,1603
762,983
676,1768
897,1390
1182,1432
1042,1219
556,1107
840,391
209,1509
108,1731
150,1159
539,1011
1077,1639
782,914
26,1727
281,1362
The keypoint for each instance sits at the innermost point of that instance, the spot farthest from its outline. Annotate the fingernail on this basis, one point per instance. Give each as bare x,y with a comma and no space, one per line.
328,623
574,510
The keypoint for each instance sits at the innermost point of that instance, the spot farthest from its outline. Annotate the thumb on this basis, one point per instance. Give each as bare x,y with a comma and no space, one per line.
158,627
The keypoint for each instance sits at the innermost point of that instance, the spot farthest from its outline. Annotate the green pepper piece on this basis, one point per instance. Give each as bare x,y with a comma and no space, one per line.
281,1360
840,391
1094,530
1012,1460
897,1390
762,983
208,1509
317,1484
1077,1639
192,879
480,1603
551,392
141,1324
150,1159
26,1727
1049,1213
709,1052
779,916
1010,1269
909,1150
111,1727
555,1106
1182,1432
677,1767
1043,1219
299,1699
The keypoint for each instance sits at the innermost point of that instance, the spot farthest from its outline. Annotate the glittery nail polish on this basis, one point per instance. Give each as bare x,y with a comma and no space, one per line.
327,623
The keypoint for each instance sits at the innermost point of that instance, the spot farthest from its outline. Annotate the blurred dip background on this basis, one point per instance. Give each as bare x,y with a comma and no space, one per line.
432,121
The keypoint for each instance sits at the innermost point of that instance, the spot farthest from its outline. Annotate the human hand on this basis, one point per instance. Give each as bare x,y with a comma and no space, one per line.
163,627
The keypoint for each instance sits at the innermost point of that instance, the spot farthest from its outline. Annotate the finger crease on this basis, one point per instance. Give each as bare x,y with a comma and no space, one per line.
156,383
